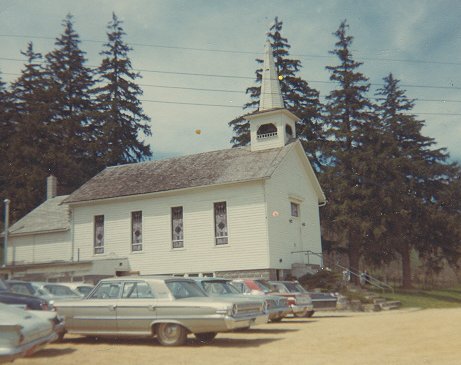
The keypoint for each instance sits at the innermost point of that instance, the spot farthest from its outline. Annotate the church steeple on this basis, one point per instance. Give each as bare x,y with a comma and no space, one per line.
271,94
272,125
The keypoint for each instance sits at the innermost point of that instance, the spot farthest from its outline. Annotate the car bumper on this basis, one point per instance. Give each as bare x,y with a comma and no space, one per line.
9,354
301,308
245,322
279,313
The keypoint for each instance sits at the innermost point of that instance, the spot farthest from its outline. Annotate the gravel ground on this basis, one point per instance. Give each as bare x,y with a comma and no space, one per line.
403,337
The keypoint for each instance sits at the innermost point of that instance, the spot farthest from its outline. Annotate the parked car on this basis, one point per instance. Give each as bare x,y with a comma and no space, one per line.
82,289
166,307
22,300
24,332
323,301
298,298
277,306
20,287
55,291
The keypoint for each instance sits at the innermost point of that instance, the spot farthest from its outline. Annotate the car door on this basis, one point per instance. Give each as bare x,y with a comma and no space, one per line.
97,314
136,308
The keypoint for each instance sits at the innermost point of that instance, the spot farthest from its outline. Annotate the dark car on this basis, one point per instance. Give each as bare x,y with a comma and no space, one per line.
22,300
20,287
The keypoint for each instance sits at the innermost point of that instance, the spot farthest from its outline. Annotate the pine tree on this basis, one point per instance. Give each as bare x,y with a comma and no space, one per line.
354,145
27,153
299,98
70,87
121,120
6,131
417,216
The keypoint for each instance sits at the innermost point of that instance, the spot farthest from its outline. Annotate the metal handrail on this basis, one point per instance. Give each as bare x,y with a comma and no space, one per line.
369,279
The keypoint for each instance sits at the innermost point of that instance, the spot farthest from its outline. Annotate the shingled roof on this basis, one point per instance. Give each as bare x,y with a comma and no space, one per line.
203,169
47,217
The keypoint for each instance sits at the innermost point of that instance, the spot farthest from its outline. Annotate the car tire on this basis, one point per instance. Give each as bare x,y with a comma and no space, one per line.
206,337
171,334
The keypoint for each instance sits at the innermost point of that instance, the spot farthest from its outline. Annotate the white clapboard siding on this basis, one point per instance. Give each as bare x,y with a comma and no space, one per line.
290,182
39,248
246,215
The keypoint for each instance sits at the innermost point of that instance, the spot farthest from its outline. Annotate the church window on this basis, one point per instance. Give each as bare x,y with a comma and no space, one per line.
136,231
220,218
98,234
289,131
294,209
266,131
177,227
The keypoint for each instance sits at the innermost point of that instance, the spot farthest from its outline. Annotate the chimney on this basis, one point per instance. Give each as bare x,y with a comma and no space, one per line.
51,187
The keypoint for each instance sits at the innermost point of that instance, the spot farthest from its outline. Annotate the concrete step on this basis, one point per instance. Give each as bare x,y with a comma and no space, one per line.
390,304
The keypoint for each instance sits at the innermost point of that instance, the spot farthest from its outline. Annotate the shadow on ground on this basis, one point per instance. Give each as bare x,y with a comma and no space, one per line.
53,352
191,341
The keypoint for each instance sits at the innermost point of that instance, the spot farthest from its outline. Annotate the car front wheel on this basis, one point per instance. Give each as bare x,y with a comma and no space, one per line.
171,334
206,337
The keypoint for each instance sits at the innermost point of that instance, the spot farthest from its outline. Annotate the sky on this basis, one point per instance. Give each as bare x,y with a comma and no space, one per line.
180,46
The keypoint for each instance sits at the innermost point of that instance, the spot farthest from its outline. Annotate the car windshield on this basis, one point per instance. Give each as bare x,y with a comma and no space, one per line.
264,285
185,289
219,288
60,290
85,290
295,288
21,288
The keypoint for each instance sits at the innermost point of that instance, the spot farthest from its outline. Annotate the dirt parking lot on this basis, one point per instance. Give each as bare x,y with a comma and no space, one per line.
403,337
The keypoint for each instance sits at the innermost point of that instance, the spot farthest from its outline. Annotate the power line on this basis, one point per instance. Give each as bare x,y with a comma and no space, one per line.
252,77
243,92
218,50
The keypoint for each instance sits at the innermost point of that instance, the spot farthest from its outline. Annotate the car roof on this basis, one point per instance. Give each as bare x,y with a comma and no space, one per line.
146,277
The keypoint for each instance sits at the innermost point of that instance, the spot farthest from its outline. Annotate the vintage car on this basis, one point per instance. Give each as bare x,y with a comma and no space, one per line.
20,287
323,301
22,300
277,306
24,332
166,307
55,291
82,289
298,298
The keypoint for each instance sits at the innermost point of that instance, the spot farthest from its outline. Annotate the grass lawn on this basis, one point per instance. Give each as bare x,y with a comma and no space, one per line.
440,298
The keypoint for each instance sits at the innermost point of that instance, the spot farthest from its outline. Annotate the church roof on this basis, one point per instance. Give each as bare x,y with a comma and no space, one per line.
47,217
203,169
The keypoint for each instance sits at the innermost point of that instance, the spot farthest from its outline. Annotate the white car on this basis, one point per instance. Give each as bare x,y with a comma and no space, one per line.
24,332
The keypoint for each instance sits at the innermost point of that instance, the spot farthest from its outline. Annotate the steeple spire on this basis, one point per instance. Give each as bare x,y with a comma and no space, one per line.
271,95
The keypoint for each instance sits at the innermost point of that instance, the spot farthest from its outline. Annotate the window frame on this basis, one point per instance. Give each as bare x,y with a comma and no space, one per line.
174,242
98,244
297,209
136,246
215,220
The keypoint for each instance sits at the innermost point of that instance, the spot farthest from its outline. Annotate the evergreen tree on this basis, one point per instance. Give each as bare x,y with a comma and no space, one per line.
6,131
120,117
299,98
70,87
418,215
28,148
353,149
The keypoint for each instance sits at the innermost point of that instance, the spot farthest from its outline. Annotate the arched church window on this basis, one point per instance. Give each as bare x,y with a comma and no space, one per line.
288,130
266,131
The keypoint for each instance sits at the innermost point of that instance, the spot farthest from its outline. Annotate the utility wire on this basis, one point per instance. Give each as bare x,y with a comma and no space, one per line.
217,50
252,77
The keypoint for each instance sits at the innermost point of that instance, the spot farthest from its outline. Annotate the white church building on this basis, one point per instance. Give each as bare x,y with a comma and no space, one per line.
247,212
